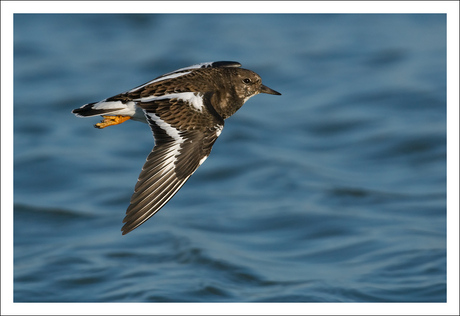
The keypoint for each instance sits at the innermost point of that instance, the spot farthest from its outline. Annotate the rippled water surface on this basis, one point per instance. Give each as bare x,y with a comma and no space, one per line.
333,192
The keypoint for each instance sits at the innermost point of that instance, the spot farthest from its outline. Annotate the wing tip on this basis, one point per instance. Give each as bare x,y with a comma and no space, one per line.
125,231
129,225
210,64
218,64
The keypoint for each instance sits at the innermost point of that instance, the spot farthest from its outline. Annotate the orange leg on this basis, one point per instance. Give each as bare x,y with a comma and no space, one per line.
111,120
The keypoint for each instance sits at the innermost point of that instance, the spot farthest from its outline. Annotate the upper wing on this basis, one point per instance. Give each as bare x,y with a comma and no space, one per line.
213,64
122,104
182,72
185,128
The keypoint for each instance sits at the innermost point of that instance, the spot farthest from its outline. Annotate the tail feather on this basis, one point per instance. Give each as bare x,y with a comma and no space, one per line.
88,110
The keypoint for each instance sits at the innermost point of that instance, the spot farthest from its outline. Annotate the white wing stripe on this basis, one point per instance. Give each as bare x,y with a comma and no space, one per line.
166,77
171,131
173,151
192,98
196,66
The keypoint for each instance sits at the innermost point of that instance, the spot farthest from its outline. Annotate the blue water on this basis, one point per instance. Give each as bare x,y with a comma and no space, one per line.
333,192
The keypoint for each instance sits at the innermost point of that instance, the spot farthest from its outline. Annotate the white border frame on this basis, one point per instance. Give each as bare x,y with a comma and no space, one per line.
451,8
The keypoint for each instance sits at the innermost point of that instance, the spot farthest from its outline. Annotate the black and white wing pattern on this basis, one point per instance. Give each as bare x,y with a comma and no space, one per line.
185,109
185,126
123,104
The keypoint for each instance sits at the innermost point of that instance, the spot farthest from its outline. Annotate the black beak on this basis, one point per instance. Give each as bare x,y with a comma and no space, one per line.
265,89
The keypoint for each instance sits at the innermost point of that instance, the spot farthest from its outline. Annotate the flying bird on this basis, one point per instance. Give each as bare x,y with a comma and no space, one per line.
186,110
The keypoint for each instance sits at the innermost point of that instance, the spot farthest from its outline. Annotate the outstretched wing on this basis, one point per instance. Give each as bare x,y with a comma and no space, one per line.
122,104
185,127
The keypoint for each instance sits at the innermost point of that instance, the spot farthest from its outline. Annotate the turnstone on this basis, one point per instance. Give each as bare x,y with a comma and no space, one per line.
186,110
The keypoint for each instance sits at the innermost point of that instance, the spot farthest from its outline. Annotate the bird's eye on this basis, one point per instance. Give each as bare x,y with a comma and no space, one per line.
247,80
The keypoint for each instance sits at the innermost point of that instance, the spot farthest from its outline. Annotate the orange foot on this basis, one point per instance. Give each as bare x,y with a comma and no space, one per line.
111,120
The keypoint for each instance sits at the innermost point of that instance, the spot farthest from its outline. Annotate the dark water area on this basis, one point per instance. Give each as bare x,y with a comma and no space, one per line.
333,192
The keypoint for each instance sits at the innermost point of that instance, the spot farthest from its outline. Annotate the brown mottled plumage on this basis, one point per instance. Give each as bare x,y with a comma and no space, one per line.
186,110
